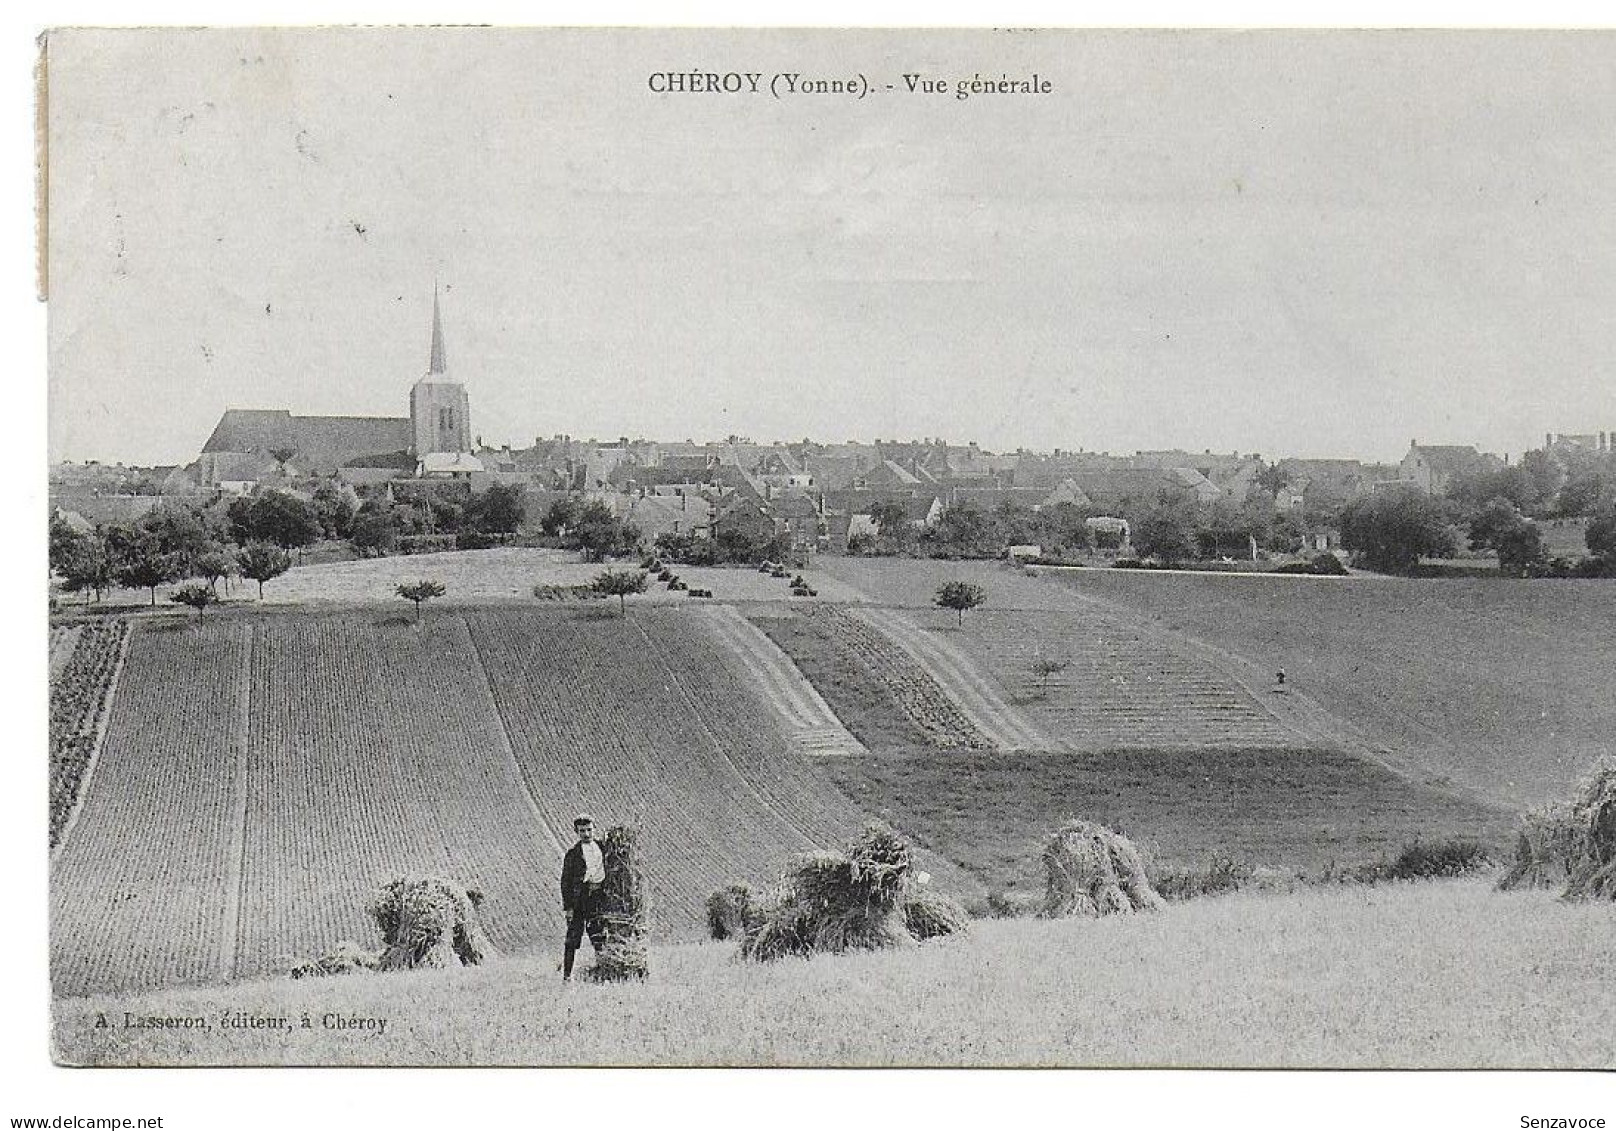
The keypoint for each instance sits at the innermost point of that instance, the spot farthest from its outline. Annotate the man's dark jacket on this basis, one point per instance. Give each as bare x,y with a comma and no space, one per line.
573,870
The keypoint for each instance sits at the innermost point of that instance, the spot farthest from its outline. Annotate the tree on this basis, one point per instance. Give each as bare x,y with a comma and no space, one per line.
419,592
892,520
1164,535
274,516
81,559
333,510
139,561
960,596
1043,668
1520,547
1601,533
560,517
374,531
1500,526
183,533
498,510
1273,479
620,583
1390,531
214,563
263,561
196,595
600,534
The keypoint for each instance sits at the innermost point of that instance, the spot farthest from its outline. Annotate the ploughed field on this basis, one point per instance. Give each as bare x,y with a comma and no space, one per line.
261,774
1504,685
1249,789
1501,687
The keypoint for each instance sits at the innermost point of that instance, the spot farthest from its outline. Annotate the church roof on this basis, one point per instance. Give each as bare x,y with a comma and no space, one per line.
319,442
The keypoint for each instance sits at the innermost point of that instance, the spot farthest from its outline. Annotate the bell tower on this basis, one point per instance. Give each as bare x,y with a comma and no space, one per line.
440,410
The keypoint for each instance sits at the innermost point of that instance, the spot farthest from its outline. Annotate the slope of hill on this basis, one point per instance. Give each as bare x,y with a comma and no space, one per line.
261,774
1498,686
1502,685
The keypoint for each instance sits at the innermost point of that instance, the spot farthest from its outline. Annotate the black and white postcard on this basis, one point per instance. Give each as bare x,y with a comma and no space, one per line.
882,548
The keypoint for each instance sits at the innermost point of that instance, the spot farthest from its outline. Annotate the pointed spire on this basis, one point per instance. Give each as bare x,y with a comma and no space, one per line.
437,365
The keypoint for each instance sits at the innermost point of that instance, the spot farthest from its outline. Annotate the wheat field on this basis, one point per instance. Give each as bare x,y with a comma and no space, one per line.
1413,975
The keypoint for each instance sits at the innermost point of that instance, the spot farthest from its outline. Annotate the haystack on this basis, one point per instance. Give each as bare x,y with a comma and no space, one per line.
428,922
625,911
729,911
834,902
1544,846
1593,824
929,915
1094,871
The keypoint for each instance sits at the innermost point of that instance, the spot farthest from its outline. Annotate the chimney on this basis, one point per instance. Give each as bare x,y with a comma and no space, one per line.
1548,439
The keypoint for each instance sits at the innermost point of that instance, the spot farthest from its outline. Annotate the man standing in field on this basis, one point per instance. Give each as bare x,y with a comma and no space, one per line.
583,873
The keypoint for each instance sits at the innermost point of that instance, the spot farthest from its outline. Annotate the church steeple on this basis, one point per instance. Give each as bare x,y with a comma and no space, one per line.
440,411
436,365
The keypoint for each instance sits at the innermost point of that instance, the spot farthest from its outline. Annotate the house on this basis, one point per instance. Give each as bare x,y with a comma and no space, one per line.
684,513
449,465
1433,467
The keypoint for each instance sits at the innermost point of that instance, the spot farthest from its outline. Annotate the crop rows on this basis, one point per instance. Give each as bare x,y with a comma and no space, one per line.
918,695
374,751
1123,685
138,891
80,693
592,711
63,639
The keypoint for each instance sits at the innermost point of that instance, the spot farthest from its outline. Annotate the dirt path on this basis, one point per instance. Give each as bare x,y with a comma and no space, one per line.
992,714
805,715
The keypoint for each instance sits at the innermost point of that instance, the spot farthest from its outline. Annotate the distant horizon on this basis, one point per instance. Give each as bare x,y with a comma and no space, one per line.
1305,244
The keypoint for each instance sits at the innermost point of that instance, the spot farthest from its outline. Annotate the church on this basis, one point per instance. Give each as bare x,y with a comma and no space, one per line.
434,440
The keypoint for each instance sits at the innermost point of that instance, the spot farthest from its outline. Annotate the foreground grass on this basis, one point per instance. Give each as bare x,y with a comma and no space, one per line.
1434,975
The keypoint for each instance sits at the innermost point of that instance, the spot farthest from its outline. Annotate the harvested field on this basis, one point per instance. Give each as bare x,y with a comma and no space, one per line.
1125,684
139,889
1296,809
637,720
880,670
1501,685
306,757
1431,975
374,751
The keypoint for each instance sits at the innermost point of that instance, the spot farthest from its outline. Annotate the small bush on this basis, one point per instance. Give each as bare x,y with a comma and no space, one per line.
1320,565
1222,874
475,540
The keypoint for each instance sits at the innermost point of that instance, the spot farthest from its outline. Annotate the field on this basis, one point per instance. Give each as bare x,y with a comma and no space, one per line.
1497,687
1430,975
1293,810
261,773
504,573
1500,685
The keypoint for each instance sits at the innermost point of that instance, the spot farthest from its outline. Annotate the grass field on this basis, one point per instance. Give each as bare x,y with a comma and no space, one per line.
1499,686
263,771
1504,685
1430,975
504,573
1297,810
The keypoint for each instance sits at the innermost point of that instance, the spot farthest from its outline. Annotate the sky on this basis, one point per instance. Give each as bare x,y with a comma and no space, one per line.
1306,243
